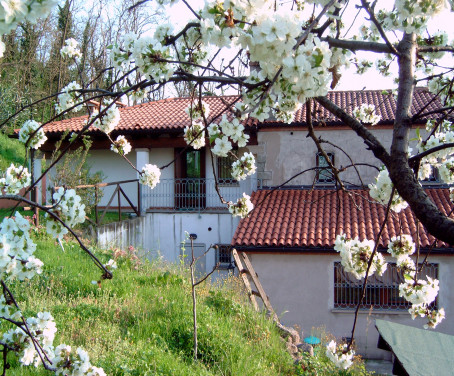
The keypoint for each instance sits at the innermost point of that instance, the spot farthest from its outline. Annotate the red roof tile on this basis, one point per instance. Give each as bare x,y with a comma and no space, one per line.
169,114
309,219
166,114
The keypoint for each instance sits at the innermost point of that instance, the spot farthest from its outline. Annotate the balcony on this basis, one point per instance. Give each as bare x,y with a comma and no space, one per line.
194,194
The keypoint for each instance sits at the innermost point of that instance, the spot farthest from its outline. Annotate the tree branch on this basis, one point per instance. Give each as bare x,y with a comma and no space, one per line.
357,45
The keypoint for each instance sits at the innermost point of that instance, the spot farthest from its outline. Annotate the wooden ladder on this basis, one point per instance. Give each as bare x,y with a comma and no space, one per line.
250,277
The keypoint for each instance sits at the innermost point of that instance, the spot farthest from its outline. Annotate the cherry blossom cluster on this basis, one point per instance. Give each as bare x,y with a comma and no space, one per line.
243,167
147,53
421,294
69,98
42,328
14,179
224,134
14,12
356,254
137,95
366,114
69,209
150,175
71,49
382,189
17,248
401,246
121,146
69,362
411,16
242,207
194,134
109,119
39,333
26,132
441,85
339,355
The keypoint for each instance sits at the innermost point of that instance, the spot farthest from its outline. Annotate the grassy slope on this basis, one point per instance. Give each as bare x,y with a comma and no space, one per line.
140,322
11,151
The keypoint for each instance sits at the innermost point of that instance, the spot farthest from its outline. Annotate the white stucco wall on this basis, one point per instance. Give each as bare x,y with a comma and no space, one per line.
301,290
290,152
166,231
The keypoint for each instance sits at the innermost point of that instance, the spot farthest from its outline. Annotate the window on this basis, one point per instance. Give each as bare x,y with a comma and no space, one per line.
224,167
224,256
434,177
324,174
382,292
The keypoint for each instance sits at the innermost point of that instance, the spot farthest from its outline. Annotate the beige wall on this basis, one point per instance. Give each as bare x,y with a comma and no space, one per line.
286,153
301,290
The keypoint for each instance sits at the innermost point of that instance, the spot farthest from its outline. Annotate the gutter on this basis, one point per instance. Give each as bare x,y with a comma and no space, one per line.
322,250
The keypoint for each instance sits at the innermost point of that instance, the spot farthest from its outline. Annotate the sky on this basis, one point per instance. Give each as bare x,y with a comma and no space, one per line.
350,80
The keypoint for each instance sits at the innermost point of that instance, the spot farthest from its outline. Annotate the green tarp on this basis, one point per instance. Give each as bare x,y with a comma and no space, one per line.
419,352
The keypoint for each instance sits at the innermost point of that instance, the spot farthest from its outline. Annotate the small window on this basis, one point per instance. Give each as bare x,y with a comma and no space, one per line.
382,292
324,173
434,177
224,167
224,256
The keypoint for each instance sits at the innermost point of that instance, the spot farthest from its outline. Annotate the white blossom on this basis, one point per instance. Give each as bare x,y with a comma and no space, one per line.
355,256
110,117
222,146
401,245
381,192
71,49
243,167
150,175
242,207
339,356
25,134
14,179
194,135
68,98
121,146
366,114
70,210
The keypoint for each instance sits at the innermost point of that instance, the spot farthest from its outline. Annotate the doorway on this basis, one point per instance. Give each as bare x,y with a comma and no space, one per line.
190,185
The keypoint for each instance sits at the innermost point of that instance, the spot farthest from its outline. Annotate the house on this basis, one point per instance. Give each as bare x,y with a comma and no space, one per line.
290,241
291,232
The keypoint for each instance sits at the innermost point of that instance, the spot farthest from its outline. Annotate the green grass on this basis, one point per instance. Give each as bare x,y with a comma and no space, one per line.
11,151
108,218
140,323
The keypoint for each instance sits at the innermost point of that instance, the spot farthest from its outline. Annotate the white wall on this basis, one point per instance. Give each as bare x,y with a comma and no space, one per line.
166,231
290,152
301,290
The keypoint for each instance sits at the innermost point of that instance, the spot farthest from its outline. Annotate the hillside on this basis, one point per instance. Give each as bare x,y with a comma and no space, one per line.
140,323
11,151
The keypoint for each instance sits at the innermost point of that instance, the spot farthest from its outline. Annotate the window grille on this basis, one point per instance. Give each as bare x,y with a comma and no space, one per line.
324,173
224,167
382,292
224,255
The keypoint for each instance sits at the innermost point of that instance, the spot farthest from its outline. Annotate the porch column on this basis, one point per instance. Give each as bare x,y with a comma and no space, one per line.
37,171
142,158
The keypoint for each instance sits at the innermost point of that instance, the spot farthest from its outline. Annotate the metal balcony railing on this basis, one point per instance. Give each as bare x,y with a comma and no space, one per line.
194,193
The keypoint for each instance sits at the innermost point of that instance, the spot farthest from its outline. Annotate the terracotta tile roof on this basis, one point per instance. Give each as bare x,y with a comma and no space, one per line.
309,219
169,114
166,114
384,102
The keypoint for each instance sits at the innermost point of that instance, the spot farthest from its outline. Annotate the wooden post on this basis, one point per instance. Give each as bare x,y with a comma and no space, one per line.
96,205
119,202
139,199
36,208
